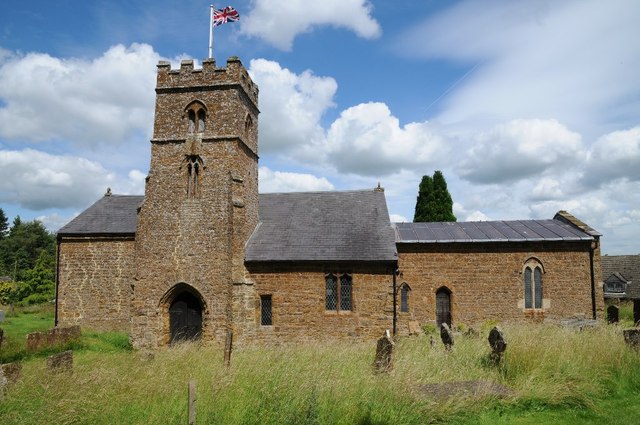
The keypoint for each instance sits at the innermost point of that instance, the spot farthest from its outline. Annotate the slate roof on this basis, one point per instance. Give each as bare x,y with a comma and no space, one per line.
323,226
626,266
110,215
489,231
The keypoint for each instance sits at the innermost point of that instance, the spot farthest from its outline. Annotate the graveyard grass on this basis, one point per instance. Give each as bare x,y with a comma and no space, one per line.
556,375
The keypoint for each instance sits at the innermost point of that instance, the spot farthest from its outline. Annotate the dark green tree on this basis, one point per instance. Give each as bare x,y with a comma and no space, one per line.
434,201
20,250
4,225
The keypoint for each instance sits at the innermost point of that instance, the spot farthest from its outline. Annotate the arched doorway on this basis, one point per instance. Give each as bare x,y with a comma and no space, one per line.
185,317
443,306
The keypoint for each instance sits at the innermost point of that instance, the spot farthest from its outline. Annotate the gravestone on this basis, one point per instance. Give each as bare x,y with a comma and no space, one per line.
632,338
1,337
447,336
11,371
228,346
384,353
414,327
192,402
3,316
613,314
498,344
61,362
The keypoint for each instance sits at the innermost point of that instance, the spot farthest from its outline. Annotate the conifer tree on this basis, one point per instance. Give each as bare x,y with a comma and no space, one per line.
4,225
434,201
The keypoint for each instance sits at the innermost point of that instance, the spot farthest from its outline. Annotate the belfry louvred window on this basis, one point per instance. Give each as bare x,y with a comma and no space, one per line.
338,292
197,117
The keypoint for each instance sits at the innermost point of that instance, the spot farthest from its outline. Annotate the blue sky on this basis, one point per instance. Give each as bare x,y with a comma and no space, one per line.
528,107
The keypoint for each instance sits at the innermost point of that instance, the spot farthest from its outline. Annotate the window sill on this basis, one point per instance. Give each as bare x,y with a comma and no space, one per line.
338,312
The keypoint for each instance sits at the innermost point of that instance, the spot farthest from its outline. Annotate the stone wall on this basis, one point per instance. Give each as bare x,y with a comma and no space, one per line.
298,303
486,281
94,282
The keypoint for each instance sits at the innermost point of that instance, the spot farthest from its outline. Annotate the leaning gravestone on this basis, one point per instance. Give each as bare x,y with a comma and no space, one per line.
498,344
384,353
447,336
632,337
61,362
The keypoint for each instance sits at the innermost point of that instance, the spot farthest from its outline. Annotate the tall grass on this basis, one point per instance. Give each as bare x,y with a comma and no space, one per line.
323,383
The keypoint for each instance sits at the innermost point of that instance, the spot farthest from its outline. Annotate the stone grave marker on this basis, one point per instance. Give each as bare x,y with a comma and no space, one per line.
447,336
61,362
632,337
498,344
228,346
3,316
613,314
11,371
384,353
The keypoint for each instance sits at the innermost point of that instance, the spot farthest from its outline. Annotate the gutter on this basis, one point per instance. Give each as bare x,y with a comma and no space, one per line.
592,248
58,239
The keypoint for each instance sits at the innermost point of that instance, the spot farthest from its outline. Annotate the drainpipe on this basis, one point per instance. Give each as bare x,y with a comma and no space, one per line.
592,248
395,317
55,322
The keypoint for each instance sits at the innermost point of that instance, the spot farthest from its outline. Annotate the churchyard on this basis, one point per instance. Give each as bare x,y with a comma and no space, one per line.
540,374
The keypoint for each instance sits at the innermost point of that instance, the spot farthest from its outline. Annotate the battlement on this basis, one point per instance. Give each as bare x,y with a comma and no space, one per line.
188,77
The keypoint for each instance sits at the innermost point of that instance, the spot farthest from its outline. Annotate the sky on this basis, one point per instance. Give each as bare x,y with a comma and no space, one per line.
527,107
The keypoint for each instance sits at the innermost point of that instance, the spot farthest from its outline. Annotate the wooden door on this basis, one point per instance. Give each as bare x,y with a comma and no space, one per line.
443,307
185,318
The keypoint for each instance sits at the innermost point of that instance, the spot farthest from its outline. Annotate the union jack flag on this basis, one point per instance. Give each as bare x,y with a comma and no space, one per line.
228,14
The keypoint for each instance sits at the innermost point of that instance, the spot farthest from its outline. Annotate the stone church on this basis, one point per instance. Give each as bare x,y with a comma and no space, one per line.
202,252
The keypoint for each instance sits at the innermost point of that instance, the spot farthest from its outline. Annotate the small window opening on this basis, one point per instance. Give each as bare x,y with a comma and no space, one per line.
201,118
404,299
266,317
192,121
338,292
194,163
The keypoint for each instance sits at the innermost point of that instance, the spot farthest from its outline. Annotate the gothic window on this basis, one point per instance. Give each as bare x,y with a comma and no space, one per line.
194,168
533,284
266,318
197,117
248,125
338,292
404,298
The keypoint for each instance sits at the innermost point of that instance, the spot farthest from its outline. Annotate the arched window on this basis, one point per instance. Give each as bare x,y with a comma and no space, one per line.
197,116
404,298
533,284
248,124
194,166
331,287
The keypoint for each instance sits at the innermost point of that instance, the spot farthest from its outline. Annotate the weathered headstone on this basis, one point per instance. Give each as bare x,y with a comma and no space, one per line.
384,353
55,336
632,337
3,316
228,346
498,344
447,336
11,371
414,327
60,362
613,314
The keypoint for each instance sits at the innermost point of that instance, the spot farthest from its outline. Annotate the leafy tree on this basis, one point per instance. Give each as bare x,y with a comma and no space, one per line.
434,201
4,225
20,250
38,285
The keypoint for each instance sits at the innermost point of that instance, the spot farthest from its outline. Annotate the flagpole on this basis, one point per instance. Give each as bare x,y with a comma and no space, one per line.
211,32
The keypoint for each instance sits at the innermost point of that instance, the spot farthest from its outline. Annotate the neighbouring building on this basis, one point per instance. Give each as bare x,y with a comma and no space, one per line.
621,275
202,252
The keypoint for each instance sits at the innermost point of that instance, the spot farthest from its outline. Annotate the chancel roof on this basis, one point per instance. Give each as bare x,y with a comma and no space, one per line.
489,231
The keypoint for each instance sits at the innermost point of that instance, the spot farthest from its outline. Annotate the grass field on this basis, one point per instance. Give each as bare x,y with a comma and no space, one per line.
556,375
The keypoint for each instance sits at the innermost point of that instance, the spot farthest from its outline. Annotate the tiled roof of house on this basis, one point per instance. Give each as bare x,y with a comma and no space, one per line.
627,266
110,215
489,231
323,226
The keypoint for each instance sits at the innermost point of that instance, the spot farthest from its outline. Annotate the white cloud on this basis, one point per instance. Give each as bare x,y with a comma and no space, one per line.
615,155
291,104
279,22
278,181
368,140
519,149
575,61
103,100
37,180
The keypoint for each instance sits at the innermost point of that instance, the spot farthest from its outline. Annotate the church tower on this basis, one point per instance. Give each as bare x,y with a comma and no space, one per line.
200,205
